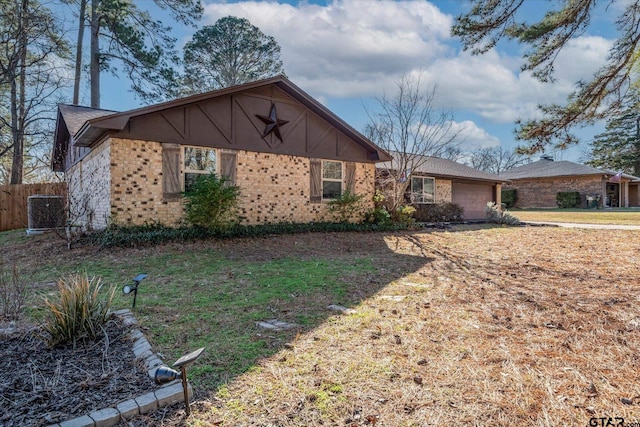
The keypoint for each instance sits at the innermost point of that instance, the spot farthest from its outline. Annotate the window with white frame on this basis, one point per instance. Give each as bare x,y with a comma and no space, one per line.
198,161
331,179
423,189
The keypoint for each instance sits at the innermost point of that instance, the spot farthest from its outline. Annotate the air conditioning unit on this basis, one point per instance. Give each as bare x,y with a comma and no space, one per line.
45,212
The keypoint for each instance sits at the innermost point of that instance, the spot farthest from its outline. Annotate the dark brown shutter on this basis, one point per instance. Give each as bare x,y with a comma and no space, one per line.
171,188
350,178
315,173
228,165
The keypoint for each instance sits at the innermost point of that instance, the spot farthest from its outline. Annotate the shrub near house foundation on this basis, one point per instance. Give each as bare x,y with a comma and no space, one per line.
212,202
439,212
509,197
568,199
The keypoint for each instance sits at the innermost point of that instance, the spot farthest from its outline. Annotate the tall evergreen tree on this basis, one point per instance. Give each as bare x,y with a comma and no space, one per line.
125,38
230,52
489,21
618,147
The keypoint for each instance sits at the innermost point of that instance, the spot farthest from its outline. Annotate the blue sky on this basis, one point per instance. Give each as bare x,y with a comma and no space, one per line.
347,53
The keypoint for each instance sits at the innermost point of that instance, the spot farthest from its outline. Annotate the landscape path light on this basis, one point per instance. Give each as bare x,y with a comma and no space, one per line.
164,374
134,288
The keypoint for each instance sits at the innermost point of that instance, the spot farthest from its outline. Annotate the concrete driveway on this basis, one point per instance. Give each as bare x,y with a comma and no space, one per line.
594,226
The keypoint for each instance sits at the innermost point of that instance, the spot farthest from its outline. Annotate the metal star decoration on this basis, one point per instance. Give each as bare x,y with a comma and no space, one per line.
273,123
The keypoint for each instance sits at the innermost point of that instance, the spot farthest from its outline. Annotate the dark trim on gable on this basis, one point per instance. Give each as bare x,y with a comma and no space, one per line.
95,128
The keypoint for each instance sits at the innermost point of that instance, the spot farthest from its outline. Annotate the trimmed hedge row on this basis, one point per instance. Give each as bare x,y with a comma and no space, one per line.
439,212
153,234
568,199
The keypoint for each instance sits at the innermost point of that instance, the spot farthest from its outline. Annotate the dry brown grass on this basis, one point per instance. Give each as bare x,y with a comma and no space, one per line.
498,327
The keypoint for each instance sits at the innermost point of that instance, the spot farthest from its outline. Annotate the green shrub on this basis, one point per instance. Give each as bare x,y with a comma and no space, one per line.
404,215
379,214
439,212
497,216
568,199
509,197
212,202
347,208
79,312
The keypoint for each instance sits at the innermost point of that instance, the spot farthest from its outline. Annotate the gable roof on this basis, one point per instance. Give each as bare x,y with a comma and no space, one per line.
444,168
75,116
93,128
547,168
70,119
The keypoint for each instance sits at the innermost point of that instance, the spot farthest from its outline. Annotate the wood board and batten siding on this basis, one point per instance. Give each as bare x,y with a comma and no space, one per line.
13,202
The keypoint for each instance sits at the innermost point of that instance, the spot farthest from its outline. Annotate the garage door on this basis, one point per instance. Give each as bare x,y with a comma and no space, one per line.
472,197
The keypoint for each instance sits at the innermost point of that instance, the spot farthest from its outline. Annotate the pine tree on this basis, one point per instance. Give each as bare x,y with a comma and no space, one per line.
618,148
125,39
489,21
230,52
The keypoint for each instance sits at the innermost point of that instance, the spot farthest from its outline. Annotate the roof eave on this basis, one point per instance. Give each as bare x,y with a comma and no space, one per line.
96,128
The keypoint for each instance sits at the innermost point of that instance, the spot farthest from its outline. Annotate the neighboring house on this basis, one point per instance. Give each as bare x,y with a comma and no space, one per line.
440,180
288,154
538,183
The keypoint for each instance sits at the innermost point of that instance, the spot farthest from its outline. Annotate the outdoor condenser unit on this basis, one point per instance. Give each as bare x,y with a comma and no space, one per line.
45,212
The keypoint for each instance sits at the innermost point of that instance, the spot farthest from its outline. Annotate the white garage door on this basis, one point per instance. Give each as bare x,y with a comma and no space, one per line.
473,198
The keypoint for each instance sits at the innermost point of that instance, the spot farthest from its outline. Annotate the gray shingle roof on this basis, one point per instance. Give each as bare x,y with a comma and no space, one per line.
438,167
548,168
75,116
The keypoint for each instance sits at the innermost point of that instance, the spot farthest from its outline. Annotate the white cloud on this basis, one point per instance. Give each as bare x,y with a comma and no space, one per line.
344,49
360,49
473,137
581,58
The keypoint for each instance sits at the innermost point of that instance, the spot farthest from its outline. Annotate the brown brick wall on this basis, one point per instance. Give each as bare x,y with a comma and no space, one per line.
273,188
541,193
136,187
443,191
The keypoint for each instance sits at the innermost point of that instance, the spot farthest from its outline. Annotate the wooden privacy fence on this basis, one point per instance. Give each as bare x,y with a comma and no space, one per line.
13,202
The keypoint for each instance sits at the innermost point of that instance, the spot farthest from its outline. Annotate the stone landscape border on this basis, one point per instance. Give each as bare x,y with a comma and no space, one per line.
164,396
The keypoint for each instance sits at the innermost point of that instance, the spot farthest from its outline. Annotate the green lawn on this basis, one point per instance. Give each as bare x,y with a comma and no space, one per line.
204,295
628,216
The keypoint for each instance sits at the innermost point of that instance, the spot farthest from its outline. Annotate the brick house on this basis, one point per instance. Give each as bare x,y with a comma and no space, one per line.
439,180
288,154
537,184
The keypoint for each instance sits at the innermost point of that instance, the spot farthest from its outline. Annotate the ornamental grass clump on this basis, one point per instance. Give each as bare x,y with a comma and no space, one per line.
498,216
79,312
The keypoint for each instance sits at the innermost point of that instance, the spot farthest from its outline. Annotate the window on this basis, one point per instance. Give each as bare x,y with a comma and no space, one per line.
198,161
331,179
423,189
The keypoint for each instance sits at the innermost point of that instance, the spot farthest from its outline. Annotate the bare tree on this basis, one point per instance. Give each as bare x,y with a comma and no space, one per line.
412,129
497,159
31,48
452,152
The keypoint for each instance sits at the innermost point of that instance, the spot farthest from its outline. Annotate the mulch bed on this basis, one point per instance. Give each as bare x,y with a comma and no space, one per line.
42,386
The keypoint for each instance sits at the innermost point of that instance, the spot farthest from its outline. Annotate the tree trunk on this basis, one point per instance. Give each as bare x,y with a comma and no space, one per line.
78,70
636,145
18,99
94,63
